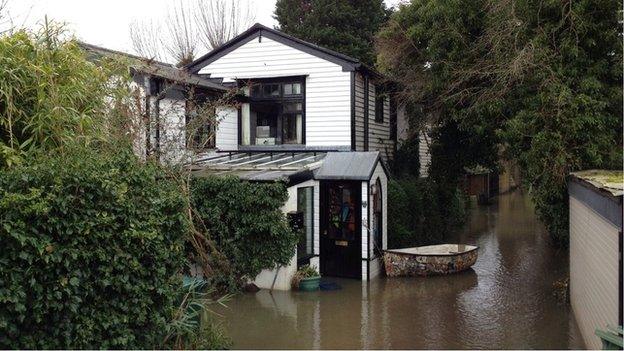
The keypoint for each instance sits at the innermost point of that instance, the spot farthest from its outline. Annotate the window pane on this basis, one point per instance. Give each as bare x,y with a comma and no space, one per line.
264,123
293,107
305,208
255,90
292,89
245,120
379,109
271,90
296,88
288,89
291,128
342,213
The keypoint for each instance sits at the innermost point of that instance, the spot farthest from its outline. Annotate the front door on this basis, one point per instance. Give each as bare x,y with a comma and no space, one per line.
341,233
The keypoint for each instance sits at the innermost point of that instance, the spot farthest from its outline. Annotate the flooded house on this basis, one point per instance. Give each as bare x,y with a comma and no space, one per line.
320,121
596,251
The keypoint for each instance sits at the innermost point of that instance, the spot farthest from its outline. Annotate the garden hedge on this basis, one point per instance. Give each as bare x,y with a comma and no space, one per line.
91,250
422,212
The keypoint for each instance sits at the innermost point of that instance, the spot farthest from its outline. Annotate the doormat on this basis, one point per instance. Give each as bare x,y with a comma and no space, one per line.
329,286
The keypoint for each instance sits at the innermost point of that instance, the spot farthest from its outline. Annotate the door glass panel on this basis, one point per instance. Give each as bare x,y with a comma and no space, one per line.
342,221
291,128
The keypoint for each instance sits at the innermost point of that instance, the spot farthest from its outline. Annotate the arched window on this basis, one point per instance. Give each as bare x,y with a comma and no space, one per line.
377,217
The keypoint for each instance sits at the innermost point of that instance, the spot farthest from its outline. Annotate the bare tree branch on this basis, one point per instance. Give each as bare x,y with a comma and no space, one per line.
145,37
181,39
189,27
220,20
5,18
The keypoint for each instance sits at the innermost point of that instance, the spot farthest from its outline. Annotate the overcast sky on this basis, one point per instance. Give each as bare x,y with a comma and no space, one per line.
105,22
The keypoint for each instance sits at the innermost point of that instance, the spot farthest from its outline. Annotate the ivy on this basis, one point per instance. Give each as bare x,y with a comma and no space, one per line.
246,222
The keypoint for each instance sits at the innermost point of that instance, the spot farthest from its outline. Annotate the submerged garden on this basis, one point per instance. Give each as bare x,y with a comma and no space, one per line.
97,241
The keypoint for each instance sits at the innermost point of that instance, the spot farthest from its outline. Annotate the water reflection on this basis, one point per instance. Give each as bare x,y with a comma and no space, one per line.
505,301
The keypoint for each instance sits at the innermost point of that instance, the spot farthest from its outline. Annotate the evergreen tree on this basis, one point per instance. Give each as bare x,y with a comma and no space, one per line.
345,26
543,76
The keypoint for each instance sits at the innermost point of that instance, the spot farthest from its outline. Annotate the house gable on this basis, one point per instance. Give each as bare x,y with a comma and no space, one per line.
327,102
260,31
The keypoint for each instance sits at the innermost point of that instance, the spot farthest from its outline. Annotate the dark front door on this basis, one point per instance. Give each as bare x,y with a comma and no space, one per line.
341,229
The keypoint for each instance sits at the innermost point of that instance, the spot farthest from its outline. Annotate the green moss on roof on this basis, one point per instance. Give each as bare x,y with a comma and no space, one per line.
610,180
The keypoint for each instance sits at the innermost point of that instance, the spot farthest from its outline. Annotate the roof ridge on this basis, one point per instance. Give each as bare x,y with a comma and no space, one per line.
356,63
122,53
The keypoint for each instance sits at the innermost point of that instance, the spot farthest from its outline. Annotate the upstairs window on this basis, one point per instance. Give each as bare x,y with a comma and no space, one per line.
379,107
275,114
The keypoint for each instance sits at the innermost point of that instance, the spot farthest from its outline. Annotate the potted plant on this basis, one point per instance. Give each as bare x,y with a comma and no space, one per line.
307,278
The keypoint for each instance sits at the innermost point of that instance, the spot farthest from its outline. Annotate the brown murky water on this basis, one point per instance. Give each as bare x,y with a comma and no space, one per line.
504,302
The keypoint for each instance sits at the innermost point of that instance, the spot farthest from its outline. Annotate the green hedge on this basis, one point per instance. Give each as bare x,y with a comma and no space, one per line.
421,212
245,221
91,248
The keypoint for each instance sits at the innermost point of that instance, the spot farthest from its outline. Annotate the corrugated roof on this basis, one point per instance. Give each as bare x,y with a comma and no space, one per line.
348,166
155,68
259,166
289,165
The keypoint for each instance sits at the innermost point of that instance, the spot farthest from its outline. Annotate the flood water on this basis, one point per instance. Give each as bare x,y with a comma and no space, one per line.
506,300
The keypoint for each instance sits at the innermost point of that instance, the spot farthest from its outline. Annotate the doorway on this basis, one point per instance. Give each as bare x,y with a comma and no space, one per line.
341,229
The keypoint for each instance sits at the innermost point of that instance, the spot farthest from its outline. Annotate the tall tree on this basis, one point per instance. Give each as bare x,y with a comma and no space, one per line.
543,76
190,27
346,26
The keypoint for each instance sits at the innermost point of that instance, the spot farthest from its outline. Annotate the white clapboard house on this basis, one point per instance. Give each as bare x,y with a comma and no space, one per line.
321,121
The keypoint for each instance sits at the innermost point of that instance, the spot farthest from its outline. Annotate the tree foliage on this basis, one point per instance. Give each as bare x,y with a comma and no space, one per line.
92,251
50,95
345,26
540,78
422,211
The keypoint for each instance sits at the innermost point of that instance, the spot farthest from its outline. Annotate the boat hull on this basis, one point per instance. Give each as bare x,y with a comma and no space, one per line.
429,260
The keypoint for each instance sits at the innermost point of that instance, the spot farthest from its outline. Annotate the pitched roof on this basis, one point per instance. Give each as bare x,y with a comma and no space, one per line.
347,62
290,165
348,165
154,68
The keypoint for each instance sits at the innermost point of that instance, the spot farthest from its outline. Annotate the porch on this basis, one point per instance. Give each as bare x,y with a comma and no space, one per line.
337,202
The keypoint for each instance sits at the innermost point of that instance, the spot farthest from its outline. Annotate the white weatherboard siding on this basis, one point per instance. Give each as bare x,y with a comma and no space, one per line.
423,153
283,275
172,116
379,133
402,123
227,129
365,210
359,112
381,175
367,236
593,271
328,88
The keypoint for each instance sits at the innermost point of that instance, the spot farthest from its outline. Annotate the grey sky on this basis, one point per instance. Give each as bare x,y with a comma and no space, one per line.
105,22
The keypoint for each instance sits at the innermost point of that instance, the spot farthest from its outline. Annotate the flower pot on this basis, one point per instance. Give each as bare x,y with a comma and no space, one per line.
309,284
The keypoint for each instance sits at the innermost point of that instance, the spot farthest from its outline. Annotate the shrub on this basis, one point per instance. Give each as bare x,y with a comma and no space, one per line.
50,94
422,212
306,271
91,250
246,223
